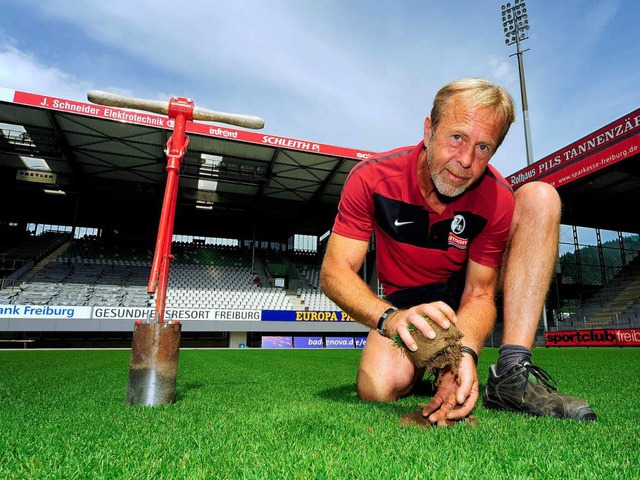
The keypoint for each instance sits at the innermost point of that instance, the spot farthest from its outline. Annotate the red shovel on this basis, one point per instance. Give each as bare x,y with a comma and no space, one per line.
156,342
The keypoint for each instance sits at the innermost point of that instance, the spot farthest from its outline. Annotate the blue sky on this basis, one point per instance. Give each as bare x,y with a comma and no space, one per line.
354,73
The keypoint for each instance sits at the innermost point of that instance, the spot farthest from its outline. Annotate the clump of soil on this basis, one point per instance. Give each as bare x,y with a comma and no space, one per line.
443,351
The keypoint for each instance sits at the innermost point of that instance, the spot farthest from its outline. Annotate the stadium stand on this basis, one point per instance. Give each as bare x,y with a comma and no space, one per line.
90,272
93,273
20,251
616,304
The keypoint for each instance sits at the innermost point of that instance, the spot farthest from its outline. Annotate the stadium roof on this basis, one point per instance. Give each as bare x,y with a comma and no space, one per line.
597,176
111,164
238,183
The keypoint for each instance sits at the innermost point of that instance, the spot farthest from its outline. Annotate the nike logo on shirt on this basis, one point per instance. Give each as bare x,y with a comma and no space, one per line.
398,224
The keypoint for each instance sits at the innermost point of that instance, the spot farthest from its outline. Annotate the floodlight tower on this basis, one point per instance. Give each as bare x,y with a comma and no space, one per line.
516,26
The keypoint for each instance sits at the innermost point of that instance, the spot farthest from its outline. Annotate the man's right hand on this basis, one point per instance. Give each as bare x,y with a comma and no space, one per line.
439,312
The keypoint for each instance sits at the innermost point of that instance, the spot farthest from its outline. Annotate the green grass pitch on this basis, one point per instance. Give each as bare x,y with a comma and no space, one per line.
280,414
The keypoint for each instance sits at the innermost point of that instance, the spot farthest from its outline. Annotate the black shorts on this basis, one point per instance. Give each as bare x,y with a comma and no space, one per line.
450,293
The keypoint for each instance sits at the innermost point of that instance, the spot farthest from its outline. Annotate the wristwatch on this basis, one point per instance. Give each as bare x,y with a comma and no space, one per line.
383,318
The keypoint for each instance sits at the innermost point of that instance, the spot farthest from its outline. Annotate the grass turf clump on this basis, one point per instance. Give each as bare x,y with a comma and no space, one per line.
441,352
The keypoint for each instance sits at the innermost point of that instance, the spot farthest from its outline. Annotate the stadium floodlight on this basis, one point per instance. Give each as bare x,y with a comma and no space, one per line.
515,22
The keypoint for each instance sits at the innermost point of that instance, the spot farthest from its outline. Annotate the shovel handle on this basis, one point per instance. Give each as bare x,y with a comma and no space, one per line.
156,106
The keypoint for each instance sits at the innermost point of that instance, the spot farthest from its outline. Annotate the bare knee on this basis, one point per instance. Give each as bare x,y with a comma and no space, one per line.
379,388
377,395
385,374
538,199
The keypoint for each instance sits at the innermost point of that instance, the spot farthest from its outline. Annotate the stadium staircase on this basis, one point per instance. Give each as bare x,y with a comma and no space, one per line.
311,293
294,299
29,252
37,268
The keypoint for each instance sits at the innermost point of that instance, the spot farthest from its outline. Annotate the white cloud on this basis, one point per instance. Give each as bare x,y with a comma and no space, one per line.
21,71
504,71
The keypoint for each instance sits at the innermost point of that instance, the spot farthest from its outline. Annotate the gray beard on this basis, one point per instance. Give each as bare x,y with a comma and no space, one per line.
442,187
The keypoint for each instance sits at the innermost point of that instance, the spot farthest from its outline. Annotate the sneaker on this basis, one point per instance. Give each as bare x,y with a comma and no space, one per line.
528,389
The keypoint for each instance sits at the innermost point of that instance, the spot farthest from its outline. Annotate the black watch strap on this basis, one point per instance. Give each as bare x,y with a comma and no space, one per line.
383,318
471,352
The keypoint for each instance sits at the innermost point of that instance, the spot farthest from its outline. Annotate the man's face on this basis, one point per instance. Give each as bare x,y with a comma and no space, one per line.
461,146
